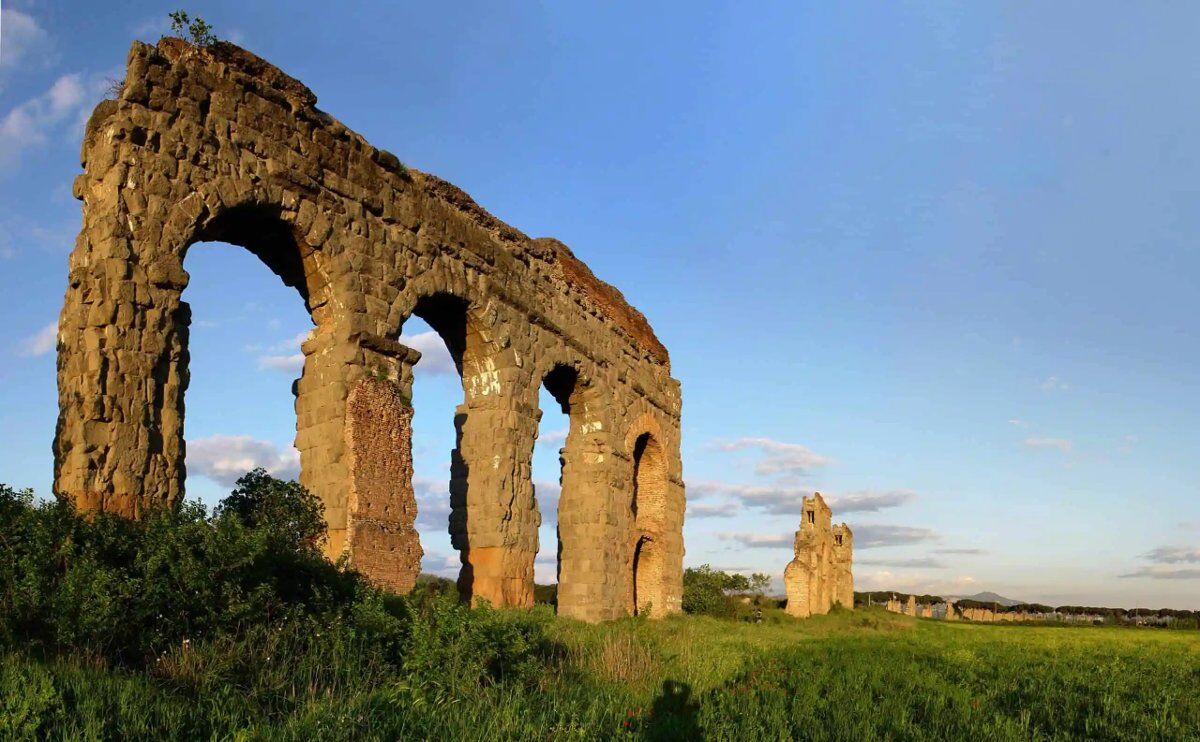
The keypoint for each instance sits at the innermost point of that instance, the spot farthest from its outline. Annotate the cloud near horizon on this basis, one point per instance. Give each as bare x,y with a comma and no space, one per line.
778,457
225,458
760,540
915,562
1174,555
779,500
871,536
1163,572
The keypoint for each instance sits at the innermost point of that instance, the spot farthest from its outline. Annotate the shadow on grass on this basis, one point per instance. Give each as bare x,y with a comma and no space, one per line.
673,714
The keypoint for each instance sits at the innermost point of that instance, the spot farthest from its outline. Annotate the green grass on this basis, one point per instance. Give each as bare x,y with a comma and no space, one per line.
860,675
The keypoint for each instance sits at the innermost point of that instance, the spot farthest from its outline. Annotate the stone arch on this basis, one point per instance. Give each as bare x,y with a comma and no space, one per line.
216,143
584,491
648,506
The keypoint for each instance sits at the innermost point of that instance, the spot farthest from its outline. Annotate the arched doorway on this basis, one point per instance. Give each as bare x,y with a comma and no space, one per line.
239,331
648,507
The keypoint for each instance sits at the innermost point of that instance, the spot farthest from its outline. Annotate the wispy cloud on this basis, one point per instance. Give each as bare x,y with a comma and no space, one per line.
872,536
1062,444
712,509
870,501
33,122
152,29
778,500
20,37
293,363
225,458
1018,423
960,552
435,359
1163,572
778,457
760,540
915,562
283,355
1174,555
1054,384
41,342
555,438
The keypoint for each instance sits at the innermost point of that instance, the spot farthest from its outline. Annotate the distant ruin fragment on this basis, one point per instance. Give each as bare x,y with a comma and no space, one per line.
216,144
821,574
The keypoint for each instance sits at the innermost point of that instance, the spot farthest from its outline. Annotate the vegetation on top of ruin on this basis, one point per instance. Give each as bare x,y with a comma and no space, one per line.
196,30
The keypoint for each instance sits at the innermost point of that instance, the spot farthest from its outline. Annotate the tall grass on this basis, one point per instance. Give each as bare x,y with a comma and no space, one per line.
855,675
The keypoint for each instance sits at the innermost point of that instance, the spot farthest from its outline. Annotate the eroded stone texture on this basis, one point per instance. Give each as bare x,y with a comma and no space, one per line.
217,144
843,566
910,608
820,574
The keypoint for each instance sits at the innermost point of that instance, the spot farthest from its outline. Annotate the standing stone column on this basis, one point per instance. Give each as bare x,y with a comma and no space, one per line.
591,544
494,517
122,338
354,433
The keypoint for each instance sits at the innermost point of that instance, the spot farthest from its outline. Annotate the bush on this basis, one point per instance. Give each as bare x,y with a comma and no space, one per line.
706,590
126,590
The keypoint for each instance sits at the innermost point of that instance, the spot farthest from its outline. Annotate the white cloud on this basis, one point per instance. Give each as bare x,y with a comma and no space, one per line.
913,583
915,562
1062,444
779,500
291,363
961,552
760,540
870,501
712,509
41,342
33,122
283,355
435,359
1174,555
1163,572
225,458
555,438
778,457
1018,423
1054,384
870,536
20,35
152,29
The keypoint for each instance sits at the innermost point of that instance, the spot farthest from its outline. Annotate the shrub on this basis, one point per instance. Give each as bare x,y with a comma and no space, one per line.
706,590
196,30
126,589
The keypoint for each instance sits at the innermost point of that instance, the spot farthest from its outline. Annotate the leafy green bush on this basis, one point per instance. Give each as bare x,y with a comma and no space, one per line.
706,590
126,589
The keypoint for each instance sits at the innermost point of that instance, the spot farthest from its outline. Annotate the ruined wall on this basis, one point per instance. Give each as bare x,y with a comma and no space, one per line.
820,574
843,566
217,144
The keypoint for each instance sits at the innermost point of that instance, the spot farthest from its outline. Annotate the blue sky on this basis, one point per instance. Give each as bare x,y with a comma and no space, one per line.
936,260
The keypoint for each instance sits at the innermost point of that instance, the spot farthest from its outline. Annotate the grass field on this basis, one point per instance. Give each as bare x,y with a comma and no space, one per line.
860,675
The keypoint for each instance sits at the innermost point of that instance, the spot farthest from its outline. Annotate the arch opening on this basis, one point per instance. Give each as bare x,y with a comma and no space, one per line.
238,338
551,474
648,510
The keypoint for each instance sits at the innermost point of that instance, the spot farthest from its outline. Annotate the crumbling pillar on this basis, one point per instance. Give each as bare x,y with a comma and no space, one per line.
494,517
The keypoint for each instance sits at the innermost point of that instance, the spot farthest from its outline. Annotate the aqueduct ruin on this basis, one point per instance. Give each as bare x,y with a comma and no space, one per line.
214,143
